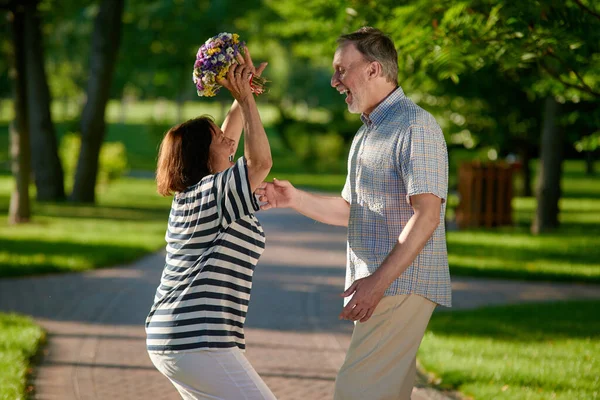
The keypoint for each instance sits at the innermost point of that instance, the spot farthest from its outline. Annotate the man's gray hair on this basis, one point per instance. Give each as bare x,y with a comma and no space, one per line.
374,45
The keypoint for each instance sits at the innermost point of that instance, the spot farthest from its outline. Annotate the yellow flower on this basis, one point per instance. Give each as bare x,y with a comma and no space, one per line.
213,51
236,38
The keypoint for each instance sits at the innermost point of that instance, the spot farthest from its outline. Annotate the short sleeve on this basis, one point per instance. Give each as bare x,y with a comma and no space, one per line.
233,195
346,191
423,162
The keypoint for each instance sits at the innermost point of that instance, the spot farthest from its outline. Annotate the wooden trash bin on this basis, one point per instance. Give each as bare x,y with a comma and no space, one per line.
486,192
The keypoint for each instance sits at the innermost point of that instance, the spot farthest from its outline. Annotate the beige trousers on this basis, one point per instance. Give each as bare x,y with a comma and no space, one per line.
381,361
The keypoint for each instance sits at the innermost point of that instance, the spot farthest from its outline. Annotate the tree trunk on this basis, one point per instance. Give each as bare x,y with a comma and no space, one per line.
526,171
47,169
19,209
105,46
589,163
548,190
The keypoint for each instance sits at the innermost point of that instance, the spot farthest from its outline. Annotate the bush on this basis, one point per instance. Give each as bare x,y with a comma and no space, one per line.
157,128
112,160
330,152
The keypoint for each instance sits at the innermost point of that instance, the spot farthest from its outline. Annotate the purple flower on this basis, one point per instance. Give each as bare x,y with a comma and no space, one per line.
214,63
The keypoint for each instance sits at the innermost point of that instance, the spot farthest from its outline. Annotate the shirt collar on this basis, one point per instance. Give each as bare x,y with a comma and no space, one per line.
383,108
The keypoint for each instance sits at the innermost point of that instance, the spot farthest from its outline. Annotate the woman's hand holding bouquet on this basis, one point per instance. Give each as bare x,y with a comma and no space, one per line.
239,75
216,57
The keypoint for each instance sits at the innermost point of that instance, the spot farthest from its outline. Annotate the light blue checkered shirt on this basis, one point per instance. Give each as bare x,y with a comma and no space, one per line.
399,152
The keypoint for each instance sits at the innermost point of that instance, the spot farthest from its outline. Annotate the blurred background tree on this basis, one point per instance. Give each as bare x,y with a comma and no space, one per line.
504,79
19,209
543,55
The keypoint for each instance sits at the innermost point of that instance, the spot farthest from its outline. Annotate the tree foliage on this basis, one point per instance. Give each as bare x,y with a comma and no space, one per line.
504,58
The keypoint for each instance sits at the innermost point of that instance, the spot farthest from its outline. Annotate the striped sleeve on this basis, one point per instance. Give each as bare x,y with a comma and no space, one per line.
422,162
234,196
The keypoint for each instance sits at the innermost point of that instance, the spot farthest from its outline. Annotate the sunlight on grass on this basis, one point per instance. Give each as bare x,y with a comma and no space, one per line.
571,254
534,351
19,342
129,222
132,210
144,111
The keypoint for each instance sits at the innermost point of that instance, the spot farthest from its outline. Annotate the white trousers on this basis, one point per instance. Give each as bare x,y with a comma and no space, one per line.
223,374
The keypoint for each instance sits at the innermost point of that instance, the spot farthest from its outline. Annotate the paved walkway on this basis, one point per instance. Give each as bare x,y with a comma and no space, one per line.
95,320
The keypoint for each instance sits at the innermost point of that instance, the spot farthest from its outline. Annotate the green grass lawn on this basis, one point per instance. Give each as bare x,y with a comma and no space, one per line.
20,339
572,253
516,352
533,352
128,222
71,237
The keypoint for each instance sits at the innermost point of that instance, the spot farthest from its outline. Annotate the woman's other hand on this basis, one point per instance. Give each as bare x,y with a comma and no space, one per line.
238,78
237,81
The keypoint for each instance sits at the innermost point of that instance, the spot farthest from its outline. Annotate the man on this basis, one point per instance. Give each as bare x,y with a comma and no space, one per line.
393,203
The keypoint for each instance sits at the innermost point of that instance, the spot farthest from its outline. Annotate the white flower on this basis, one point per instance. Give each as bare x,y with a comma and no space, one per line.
221,57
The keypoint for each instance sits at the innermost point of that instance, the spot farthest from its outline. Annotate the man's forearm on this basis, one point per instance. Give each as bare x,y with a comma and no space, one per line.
412,240
326,209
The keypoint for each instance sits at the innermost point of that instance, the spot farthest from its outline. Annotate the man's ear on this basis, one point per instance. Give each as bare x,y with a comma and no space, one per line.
374,69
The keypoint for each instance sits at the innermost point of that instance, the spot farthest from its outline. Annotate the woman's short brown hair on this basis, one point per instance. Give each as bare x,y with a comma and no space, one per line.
183,157
375,45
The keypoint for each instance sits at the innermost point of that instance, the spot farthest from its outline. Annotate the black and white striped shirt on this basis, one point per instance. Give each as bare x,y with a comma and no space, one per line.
213,244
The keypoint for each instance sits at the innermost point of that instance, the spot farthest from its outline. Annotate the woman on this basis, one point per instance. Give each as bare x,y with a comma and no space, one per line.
195,329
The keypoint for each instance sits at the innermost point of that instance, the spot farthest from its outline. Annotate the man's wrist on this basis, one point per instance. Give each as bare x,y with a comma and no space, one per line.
386,274
297,200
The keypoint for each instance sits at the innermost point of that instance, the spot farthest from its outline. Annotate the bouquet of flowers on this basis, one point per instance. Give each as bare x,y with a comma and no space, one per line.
213,60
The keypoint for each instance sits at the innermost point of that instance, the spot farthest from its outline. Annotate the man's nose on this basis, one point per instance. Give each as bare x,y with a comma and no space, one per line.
334,80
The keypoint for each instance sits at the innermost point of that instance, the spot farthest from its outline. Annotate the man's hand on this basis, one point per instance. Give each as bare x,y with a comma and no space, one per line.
277,194
368,292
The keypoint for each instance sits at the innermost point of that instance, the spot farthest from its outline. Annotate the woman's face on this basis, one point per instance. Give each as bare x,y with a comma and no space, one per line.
221,151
